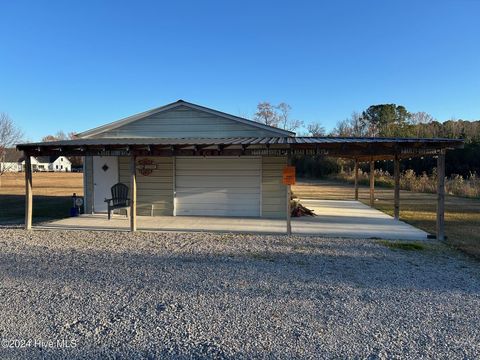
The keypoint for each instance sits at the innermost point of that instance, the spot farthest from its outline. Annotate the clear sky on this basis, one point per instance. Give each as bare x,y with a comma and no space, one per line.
73,65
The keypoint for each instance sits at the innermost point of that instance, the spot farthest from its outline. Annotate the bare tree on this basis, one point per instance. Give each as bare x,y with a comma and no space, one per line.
342,128
356,124
10,135
420,120
60,135
266,114
352,126
421,117
277,116
285,121
316,129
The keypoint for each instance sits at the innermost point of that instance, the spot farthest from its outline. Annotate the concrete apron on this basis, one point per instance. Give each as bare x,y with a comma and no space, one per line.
345,219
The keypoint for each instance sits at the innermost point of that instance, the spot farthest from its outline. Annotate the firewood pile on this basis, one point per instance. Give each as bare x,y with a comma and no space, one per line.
298,209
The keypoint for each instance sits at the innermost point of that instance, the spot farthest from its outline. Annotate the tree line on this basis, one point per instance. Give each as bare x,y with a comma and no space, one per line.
391,120
384,120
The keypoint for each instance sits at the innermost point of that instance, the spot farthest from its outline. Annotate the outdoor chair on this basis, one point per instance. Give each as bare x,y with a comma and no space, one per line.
119,199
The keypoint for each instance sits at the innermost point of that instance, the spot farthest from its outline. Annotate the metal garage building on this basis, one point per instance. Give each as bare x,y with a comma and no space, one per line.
186,159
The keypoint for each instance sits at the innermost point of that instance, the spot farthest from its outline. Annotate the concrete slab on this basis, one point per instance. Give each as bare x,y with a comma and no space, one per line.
350,219
354,219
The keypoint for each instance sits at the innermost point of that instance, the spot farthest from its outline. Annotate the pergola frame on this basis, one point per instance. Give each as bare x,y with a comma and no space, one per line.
357,149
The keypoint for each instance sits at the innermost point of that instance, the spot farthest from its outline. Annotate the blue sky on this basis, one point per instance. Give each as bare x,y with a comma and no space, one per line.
70,66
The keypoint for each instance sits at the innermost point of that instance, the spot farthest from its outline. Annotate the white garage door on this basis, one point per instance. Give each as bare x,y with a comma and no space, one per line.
219,186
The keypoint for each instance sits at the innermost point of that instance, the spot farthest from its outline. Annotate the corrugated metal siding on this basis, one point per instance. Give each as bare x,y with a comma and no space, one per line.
274,193
183,122
155,189
88,183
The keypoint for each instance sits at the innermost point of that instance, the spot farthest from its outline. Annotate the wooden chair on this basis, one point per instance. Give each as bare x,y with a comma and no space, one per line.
119,199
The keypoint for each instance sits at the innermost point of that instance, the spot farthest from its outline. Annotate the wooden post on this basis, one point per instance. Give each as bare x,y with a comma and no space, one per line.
289,211
289,197
372,183
356,179
396,174
133,196
28,192
441,196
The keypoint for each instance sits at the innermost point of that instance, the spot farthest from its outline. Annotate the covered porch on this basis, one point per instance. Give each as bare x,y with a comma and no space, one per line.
347,219
350,219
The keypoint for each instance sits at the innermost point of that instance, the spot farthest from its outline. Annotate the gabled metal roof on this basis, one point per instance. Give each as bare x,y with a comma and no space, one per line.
130,119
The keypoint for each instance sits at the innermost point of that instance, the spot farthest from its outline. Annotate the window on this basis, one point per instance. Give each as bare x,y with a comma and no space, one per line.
56,167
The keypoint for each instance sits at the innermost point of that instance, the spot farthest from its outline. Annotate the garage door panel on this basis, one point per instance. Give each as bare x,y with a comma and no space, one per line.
216,197
247,191
209,163
226,213
215,182
217,206
219,199
218,173
218,186
231,166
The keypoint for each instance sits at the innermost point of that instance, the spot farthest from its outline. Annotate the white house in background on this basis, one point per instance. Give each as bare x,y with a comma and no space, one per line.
53,163
11,160
14,161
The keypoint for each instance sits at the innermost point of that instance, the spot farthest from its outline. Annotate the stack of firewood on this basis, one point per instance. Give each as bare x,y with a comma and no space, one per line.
298,209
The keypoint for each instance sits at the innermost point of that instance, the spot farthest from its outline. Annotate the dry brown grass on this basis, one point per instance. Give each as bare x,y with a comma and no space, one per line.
51,195
46,184
462,215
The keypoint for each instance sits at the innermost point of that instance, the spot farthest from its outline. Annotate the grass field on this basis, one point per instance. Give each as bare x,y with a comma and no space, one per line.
51,195
462,215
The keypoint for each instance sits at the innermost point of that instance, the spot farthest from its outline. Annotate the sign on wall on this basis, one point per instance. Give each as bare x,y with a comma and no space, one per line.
146,166
289,175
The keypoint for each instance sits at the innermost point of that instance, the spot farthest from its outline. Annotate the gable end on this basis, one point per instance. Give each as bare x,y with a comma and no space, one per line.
183,120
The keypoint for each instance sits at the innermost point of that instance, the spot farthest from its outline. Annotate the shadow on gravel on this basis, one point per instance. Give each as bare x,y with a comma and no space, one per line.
246,272
207,299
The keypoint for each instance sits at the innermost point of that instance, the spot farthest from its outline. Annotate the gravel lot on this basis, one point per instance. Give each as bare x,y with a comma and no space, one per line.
177,295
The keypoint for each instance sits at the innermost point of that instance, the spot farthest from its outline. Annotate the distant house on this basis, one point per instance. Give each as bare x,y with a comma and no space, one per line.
53,163
14,161
11,160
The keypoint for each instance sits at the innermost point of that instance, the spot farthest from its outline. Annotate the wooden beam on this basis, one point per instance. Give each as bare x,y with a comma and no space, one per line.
28,192
133,194
356,179
396,175
441,196
372,182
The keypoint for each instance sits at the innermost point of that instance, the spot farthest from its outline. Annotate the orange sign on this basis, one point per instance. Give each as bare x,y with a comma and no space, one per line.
289,175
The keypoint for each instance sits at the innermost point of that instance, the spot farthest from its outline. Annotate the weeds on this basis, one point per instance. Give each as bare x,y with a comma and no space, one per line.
454,185
402,245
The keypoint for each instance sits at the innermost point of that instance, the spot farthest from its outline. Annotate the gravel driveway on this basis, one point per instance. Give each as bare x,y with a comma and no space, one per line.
178,295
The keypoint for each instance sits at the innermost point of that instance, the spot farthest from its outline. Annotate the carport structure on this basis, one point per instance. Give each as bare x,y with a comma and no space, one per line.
357,149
